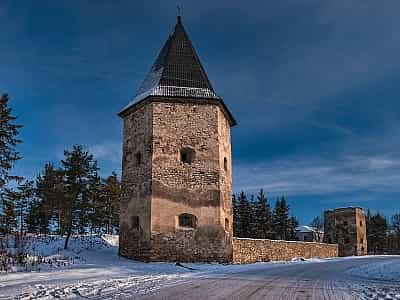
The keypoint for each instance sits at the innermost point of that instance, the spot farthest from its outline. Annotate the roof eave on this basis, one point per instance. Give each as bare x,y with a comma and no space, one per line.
125,111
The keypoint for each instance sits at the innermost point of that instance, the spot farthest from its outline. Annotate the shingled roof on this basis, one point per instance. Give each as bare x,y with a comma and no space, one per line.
178,72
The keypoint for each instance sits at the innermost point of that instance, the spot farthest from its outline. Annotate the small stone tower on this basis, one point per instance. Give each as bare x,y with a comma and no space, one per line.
177,168
346,227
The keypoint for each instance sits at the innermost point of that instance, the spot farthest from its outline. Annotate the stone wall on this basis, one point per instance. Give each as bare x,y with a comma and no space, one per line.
135,204
208,243
256,250
163,186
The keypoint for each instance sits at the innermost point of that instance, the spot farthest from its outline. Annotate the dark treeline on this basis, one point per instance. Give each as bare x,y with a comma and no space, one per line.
70,198
383,234
255,218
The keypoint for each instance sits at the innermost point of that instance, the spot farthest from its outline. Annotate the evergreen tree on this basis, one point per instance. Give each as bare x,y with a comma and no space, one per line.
396,223
395,237
236,212
293,223
32,219
98,212
253,224
8,156
80,169
263,217
112,193
281,222
49,190
22,199
377,227
9,217
244,216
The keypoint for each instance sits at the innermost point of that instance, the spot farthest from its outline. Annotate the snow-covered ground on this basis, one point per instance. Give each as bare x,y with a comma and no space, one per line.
381,270
91,268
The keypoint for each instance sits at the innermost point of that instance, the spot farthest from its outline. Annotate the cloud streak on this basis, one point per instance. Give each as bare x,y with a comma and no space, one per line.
302,176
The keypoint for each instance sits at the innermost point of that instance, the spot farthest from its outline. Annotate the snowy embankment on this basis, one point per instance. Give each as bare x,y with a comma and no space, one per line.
90,267
381,270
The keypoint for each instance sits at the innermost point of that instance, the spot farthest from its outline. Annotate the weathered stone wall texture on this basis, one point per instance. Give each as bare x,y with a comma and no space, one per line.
161,187
135,205
254,250
347,227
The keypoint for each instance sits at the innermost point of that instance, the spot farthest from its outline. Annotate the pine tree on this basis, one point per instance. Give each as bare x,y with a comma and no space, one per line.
34,218
244,216
395,237
377,227
22,199
49,191
253,223
396,223
236,221
8,156
9,218
281,222
293,223
79,169
263,217
112,191
98,213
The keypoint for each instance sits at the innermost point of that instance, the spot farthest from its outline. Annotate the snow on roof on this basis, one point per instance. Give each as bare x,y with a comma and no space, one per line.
177,71
306,228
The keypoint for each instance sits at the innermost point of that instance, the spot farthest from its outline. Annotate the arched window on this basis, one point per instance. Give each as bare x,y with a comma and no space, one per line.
187,220
226,224
187,155
225,164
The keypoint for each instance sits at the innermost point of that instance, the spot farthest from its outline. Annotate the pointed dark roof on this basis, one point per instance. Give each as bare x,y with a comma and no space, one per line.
177,72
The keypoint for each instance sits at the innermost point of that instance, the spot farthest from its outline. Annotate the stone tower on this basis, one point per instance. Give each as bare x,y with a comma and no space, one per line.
177,168
346,227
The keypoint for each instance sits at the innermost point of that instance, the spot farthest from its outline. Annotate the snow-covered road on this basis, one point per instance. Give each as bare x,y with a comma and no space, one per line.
331,279
96,272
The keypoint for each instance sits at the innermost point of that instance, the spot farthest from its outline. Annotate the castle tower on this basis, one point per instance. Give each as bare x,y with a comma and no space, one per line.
346,227
177,168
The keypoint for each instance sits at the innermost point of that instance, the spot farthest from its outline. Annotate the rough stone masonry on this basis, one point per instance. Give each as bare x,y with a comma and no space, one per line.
253,250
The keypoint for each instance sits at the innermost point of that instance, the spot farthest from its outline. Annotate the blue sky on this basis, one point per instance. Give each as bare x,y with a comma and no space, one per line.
314,86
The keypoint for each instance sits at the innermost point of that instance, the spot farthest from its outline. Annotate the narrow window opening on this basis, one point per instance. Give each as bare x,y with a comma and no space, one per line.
226,224
345,223
225,164
187,155
135,222
138,158
361,223
187,220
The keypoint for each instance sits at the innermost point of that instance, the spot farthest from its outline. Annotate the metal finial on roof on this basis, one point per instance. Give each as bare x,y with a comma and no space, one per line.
179,13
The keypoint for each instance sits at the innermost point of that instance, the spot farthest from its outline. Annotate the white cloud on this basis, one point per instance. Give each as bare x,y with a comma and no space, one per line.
108,150
299,176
